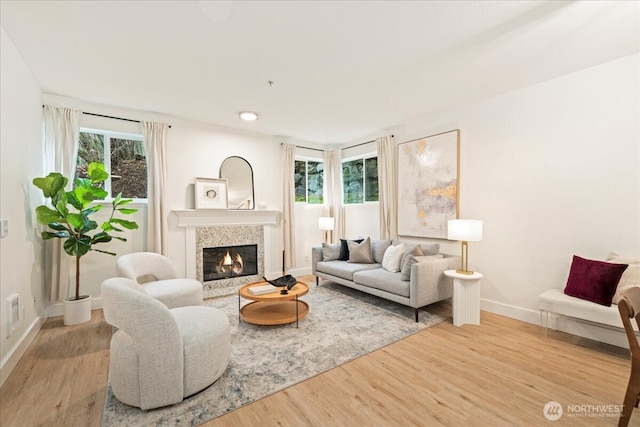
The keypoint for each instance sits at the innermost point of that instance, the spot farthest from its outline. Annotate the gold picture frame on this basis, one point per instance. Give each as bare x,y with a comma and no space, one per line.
211,193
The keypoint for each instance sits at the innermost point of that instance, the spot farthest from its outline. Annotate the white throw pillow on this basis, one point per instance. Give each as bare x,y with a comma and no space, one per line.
392,257
630,277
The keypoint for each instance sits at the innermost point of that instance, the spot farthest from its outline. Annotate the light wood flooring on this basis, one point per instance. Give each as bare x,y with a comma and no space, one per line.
500,373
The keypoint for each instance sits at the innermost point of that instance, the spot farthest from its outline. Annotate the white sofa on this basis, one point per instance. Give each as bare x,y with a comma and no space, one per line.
427,283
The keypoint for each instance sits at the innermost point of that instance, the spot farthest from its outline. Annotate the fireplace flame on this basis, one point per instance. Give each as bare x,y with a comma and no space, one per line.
238,264
227,259
234,264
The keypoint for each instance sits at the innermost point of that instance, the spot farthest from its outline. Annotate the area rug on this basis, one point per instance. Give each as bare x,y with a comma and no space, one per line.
342,324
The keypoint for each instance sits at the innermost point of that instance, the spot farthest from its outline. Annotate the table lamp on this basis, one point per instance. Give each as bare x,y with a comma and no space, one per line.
466,230
326,224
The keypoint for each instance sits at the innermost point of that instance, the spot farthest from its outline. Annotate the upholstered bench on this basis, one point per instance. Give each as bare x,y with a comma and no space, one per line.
591,281
557,302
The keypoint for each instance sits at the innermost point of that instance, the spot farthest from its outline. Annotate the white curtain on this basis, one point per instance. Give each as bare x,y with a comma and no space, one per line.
387,188
61,133
288,205
155,144
333,192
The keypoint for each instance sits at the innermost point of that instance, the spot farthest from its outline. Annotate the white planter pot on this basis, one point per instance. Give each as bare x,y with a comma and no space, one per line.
77,311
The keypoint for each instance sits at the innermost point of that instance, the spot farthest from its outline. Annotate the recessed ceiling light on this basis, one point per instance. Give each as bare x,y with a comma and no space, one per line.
248,115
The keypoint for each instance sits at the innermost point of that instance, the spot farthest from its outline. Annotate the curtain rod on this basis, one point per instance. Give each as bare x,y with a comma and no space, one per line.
362,143
308,148
111,117
345,148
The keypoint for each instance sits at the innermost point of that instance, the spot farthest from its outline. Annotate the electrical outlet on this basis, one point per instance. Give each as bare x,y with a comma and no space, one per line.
13,313
306,258
4,228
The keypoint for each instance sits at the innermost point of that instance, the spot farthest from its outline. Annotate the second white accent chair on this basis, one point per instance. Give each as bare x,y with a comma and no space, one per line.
157,275
159,355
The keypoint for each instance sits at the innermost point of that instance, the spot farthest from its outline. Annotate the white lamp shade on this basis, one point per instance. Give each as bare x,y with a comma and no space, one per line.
469,230
325,223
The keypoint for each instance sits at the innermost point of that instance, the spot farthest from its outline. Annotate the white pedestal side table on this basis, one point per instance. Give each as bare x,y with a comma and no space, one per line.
466,297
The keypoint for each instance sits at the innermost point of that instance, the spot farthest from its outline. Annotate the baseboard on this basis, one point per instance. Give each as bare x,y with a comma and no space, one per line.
15,354
582,328
297,272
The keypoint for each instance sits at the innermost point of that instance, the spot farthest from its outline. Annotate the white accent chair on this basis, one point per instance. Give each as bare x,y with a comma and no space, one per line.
159,355
164,284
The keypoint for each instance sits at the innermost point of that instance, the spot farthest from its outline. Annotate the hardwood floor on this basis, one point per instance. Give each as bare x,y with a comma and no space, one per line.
500,373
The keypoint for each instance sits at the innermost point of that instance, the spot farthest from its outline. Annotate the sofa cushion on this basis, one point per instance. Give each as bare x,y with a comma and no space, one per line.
630,277
343,269
330,251
377,249
383,280
392,257
344,249
594,281
427,248
360,252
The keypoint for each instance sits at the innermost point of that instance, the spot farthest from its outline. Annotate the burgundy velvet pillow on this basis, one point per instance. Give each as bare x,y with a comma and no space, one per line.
594,281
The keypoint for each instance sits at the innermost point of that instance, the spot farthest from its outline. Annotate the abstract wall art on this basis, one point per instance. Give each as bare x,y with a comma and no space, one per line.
428,184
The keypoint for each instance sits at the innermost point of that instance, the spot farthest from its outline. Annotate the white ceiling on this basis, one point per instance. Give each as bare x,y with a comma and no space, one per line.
342,71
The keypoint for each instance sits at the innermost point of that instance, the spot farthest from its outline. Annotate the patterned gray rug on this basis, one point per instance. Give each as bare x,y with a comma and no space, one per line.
342,324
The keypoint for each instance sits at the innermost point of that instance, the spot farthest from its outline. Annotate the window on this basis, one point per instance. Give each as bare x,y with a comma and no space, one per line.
309,181
123,156
360,180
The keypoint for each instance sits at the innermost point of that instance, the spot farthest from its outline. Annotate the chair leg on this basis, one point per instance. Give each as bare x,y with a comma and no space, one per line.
630,397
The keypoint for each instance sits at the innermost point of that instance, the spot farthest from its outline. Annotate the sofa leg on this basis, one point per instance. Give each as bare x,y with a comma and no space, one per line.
416,314
317,281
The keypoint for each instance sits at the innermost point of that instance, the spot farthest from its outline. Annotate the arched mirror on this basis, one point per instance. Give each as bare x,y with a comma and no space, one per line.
239,175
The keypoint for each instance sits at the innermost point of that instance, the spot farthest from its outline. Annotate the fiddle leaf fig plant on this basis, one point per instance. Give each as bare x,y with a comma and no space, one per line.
69,215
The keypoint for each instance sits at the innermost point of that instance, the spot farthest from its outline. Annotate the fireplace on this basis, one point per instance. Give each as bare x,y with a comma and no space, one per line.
226,262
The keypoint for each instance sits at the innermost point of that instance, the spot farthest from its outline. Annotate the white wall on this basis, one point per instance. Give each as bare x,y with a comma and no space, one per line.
21,158
553,170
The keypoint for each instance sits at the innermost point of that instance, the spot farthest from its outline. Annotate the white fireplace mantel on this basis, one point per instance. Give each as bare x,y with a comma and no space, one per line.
191,219
213,217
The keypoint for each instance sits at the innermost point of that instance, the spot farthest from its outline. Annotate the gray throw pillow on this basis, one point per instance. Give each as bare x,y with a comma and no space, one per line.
413,259
377,249
330,251
430,248
360,252
408,259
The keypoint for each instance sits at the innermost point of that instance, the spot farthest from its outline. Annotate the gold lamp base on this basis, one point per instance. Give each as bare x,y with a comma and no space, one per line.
464,260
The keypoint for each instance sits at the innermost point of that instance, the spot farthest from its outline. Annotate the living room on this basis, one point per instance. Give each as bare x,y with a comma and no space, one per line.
550,162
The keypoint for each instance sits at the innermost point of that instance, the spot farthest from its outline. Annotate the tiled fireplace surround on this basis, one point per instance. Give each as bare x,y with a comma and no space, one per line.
213,228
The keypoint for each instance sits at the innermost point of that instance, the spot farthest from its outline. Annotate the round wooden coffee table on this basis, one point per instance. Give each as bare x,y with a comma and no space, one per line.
273,308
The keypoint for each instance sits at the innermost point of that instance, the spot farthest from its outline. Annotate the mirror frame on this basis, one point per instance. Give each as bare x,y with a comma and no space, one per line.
229,182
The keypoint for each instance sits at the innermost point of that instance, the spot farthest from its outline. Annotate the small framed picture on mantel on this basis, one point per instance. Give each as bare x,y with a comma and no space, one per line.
211,193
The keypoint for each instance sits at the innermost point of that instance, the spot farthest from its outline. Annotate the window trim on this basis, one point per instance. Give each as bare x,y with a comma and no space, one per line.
108,135
364,158
306,160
